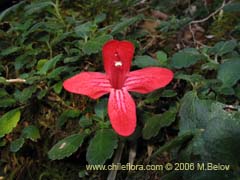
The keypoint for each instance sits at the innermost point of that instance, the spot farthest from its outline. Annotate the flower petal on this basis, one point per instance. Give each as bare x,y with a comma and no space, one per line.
117,56
114,51
148,79
122,112
92,84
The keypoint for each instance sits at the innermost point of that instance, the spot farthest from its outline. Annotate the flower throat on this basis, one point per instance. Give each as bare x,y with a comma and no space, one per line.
118,74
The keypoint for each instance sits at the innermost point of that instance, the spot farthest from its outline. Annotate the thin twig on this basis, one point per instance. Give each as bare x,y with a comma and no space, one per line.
132,153
212,14
117,158
55,98
17,80
160,15
206,18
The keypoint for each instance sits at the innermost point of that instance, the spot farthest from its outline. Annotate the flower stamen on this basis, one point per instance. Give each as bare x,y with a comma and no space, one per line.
118,63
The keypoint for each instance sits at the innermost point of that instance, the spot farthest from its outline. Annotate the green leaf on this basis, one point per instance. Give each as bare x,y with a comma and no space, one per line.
222,137
83,30
48,26
36,7
95,45
223,47
194,78
193,112
66,147
23,96
57,87
168,93
62,36
3,92
23,60
237,91
209,66
50,65
66,115
218,130
186,58
153,97
101,108
85,122
31,132
7,101
100,18
145,61
225,90
162,57
232,7
16,144
55,74
194,116
71,59
125,23
9,121
229,72
82,173
3,142
10,50
42,93
2,80
40,63
177,141
155,123
102,146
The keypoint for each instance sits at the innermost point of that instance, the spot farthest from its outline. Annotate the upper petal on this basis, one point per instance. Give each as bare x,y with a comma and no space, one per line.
148,79
122,112
115,51
92,84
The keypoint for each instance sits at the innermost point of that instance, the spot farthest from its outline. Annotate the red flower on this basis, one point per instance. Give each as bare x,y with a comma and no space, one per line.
117,81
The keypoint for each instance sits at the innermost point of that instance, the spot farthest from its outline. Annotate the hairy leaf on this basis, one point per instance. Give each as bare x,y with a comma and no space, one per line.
9,121
66,147
186,58
101,146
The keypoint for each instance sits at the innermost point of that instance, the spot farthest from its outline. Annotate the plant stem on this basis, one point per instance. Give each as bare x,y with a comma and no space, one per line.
117,158
50,49
56,7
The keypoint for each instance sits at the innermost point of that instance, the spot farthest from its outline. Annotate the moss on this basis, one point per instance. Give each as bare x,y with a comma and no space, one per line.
223,26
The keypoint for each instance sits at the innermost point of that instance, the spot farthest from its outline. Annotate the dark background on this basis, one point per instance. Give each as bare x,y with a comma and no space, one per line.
4,4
